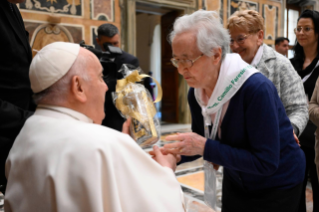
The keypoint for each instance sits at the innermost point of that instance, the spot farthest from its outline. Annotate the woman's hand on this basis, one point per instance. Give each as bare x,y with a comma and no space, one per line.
167,160
296,138
189,144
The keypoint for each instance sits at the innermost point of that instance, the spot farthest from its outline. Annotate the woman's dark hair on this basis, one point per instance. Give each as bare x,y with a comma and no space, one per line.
314,15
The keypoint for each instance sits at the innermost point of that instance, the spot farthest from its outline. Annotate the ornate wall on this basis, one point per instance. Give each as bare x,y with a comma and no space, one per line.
271,10
67,20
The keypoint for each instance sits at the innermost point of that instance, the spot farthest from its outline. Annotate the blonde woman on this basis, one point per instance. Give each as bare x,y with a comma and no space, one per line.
246,29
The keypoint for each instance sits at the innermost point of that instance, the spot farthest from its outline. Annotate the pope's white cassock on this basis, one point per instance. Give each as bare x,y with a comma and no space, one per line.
63,162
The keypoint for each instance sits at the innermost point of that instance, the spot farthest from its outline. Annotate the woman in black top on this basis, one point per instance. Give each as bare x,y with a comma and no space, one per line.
306,63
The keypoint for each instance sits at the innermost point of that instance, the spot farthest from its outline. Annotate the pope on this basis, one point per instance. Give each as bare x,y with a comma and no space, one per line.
64,160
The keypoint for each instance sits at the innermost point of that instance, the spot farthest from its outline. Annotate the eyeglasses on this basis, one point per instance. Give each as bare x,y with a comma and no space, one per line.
184,63
239,40
306,30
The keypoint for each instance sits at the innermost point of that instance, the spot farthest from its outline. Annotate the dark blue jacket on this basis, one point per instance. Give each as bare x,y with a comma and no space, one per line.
257,147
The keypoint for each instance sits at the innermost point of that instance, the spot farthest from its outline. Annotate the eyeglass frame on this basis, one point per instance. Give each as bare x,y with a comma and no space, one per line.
239,43
175,61
302,29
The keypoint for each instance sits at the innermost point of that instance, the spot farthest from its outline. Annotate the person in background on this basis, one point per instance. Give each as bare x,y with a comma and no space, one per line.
15,93
306,63
246,29
314,117
282,45
238,121
149,85
63,160
108,33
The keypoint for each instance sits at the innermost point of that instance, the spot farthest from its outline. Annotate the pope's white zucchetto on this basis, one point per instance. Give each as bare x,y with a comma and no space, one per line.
51,63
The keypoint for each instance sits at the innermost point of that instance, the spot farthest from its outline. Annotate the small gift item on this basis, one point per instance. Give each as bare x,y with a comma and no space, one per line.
133,100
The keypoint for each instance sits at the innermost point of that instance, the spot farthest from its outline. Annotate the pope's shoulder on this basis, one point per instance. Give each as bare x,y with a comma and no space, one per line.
74,131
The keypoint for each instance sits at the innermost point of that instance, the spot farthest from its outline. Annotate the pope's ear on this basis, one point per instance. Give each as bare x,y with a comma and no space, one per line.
77,89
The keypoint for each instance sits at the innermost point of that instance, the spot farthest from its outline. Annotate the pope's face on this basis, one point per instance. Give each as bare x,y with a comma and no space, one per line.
199,73
16,1
96,90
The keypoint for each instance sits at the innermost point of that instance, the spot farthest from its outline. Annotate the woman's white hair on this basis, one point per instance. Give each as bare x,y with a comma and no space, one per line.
208,29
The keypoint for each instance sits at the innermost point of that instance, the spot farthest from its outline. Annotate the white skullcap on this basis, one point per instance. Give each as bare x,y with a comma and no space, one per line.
51,63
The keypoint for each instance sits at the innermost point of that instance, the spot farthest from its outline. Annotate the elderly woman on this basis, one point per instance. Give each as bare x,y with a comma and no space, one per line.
306,63
238,120
246,31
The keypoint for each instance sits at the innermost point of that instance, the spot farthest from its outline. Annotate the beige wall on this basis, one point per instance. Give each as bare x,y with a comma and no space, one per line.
145,25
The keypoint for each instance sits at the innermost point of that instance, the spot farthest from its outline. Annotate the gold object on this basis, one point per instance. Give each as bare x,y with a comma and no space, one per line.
133,101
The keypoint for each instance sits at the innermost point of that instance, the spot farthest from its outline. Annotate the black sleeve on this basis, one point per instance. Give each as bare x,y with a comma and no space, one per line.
12,119
135,62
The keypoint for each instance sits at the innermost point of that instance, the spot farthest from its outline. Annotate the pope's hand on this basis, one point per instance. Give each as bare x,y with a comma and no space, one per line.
126,126
177,157
189,144
168,160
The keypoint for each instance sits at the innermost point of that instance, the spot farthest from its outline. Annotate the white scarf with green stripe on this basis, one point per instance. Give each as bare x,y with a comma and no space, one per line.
233,73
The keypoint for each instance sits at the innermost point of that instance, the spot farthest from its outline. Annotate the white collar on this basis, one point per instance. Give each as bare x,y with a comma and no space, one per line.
56,111
257,57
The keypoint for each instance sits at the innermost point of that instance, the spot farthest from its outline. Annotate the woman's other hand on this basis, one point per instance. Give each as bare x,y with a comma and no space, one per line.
189,144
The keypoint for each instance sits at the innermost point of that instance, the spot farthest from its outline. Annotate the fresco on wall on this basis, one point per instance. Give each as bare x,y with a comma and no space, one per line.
65,7
42,34
234,5
270,14
46,34
102,10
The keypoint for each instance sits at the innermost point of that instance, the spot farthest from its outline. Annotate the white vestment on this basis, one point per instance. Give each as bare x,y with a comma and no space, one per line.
62,162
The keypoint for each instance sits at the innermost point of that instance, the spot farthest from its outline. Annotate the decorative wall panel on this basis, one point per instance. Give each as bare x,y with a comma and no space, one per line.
102,10
234,5
94,36
42,34
270,14
63,7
